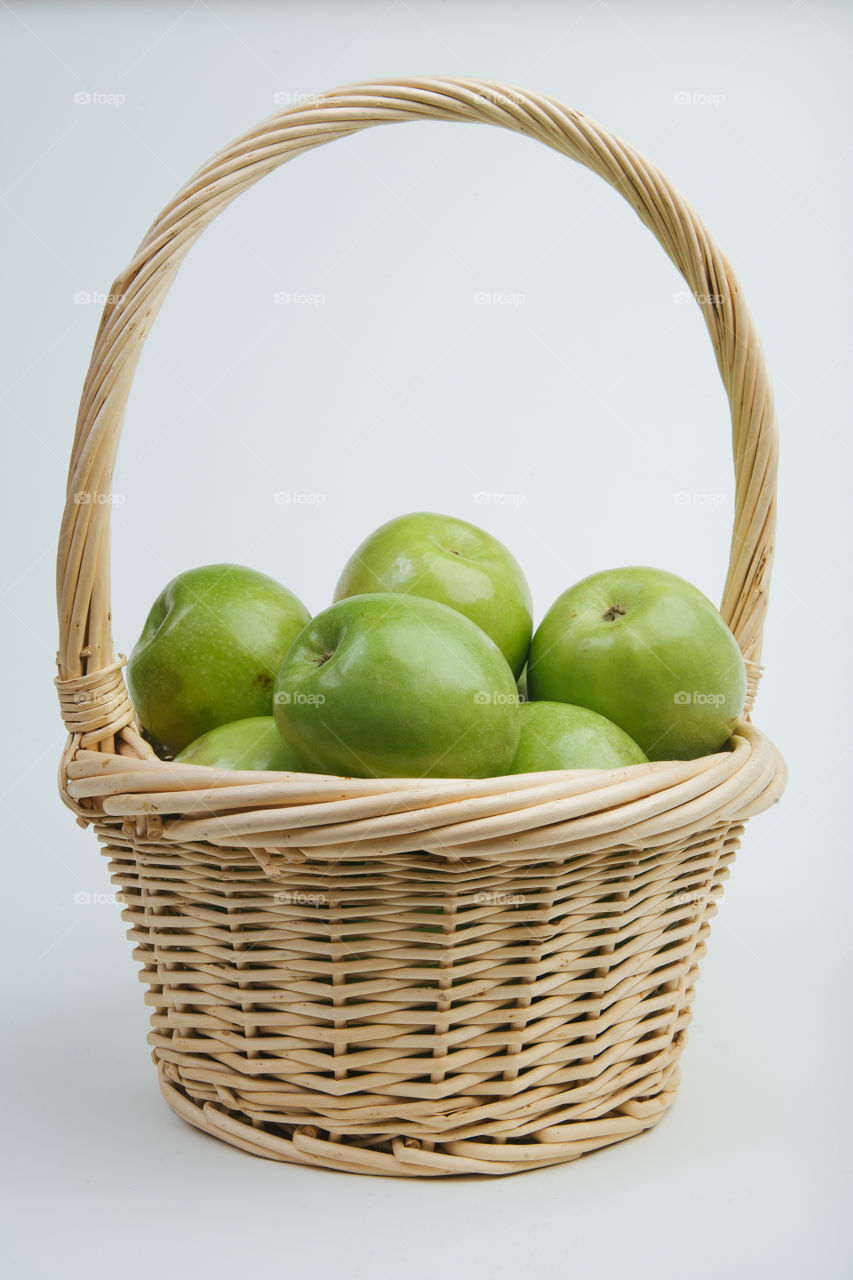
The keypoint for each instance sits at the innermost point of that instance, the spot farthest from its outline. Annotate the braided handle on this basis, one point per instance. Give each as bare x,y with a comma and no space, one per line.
83,565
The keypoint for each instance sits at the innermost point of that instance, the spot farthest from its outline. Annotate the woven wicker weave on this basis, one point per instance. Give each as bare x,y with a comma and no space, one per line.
412,976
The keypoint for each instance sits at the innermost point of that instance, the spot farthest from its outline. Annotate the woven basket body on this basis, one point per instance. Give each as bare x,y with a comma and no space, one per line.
412,977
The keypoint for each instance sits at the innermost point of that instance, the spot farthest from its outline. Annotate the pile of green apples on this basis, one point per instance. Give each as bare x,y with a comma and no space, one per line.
426,665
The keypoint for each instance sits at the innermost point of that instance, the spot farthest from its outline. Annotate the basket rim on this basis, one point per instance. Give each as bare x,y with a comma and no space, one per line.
285,818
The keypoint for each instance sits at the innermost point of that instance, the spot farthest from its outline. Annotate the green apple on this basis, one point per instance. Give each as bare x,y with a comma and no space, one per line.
648,651
555,735
453,562
397,686
245,744
210,650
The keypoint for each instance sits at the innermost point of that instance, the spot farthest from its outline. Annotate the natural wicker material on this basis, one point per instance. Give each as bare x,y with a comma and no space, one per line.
412,976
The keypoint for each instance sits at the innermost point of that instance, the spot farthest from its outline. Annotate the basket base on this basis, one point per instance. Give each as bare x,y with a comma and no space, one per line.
409,1158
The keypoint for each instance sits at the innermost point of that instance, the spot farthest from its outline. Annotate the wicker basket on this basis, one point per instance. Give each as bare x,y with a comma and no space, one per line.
412,977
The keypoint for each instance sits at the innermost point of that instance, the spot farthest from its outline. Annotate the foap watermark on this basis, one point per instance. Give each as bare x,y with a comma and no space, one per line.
691,898
297,698
494,697
484,498
495,298
298,498
698,698
96,98
299,898
697,98
82,698
294,98
298,298
499,899
96,898
85,298
686,498
87,498
497,97
683,296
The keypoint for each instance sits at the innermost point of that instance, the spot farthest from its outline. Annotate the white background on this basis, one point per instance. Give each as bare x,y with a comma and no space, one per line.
585,408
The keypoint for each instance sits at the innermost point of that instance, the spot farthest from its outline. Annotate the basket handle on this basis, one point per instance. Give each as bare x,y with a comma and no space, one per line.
86,646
